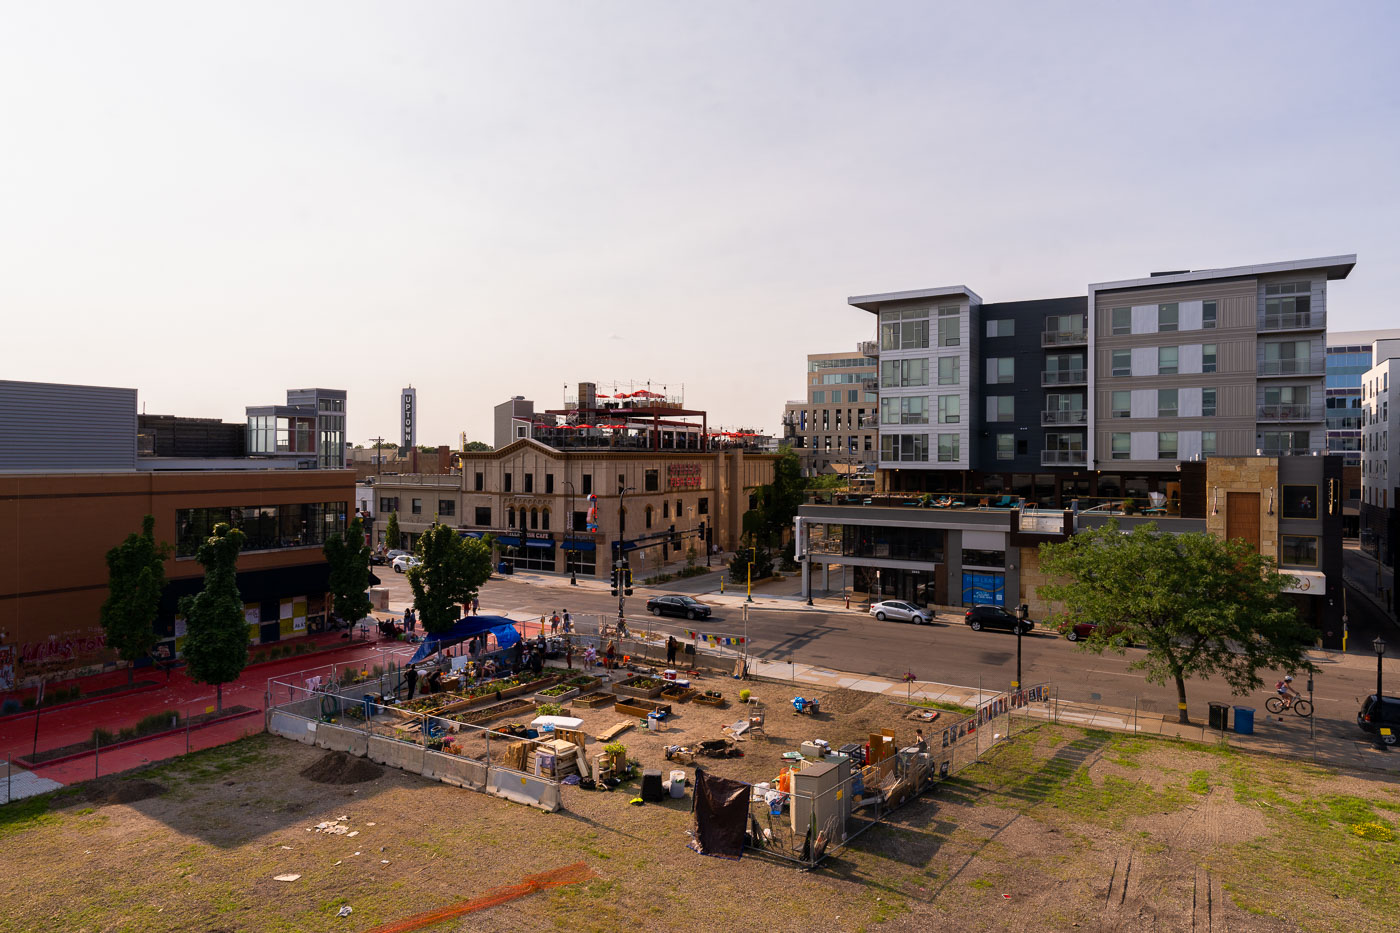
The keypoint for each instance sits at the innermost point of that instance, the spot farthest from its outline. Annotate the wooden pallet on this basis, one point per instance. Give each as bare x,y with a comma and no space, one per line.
613,731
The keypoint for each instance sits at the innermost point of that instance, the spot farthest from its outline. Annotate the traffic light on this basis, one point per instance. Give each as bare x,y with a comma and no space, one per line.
616,579
701,530
627,581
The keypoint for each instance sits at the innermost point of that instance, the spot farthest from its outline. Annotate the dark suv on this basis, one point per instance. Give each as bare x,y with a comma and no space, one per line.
1374,717
980,617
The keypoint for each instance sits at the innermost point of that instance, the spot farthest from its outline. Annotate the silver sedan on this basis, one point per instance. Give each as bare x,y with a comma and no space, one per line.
901,612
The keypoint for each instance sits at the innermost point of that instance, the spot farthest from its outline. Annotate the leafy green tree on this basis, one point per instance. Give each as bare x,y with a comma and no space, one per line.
779,500
135,581
739,564
216,632
452,571
348,558
476,446
1202,606
392,536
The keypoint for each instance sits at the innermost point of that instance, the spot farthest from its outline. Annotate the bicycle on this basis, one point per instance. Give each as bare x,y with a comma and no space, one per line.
1277,704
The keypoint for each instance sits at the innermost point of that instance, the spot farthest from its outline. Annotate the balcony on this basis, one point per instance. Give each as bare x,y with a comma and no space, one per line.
1063,458
1286,451
1065,416
1303,412
1305,320
870,385
1064,377
1289,368
1063,338
870,348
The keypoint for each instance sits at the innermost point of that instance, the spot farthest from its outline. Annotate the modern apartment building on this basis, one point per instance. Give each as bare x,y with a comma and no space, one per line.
1380,459
309,429
833,428
1056,399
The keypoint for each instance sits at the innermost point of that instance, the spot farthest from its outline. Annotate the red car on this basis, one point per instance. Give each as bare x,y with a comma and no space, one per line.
1085,629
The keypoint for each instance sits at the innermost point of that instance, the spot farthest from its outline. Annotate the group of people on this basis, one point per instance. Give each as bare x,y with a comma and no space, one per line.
556,622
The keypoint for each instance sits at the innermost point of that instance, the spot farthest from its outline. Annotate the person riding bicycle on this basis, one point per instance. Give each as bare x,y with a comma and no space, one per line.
1285,690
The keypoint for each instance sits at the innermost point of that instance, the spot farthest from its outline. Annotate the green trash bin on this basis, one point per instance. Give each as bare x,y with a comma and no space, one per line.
1219,716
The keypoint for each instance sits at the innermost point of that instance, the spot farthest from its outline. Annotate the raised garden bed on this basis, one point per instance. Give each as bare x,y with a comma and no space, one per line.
593,700
640,686
585,683
641,709
710,699
487,693
677,694
482,714
559,693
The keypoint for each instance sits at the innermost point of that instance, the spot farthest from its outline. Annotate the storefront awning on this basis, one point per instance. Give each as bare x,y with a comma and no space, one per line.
508,541
570,545
536,542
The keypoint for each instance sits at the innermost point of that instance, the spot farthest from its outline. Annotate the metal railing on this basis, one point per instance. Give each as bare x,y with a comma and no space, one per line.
1303,412
868,348
1063,457
1065,416
870,385
1060,377
1289,368
1060,338
1306,320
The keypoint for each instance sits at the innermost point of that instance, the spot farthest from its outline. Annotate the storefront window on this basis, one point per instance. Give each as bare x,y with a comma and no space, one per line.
265,527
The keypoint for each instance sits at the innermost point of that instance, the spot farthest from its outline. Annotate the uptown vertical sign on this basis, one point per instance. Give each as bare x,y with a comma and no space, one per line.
409,408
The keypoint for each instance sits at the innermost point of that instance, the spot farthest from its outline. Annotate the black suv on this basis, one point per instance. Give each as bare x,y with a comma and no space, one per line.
1376,716
980,617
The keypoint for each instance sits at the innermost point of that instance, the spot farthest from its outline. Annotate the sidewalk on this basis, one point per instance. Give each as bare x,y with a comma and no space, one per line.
1338,743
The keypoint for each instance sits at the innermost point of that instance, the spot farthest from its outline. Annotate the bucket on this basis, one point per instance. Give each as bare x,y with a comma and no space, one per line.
677,783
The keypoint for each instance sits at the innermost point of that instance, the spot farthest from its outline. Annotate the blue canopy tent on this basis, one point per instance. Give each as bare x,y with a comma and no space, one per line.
500,626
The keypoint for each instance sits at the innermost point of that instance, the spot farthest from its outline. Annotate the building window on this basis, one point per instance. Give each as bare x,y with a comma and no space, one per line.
510,516
646,517
819,397
909,410
447,507
483,516
947,448
852,396
1001,408
1208,315
480,481
265,527
1166,445
587,483
1167,360
507,481
1006,446
1208,443
529,482
1166,403
1291,311
1208,358
1298,550
1299,502
948,327
948,371
388,503
665,509
1121,321
904,330
1121,445
1121,405
949,409
544,519
904,447
1208,403
703,506
653,480
417,507
549,482
1001,370
534,519
1122,362
899,373
1006,327
874,396
1168,317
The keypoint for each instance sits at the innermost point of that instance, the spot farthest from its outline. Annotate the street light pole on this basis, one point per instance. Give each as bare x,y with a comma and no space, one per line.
1379,646
1021,612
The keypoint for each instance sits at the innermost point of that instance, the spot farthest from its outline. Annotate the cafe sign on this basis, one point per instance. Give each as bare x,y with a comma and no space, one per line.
683,476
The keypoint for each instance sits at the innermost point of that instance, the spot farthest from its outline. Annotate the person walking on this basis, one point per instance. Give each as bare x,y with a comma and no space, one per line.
671,646
568,623
476,606
554,623
411,678
569,655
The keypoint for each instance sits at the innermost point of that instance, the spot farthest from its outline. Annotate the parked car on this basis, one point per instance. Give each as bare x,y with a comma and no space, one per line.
405,561
1375,716
1085,629
376,559
390,555
980,617
901,612
678,606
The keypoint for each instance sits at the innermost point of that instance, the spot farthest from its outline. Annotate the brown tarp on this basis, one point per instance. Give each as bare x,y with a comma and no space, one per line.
721,810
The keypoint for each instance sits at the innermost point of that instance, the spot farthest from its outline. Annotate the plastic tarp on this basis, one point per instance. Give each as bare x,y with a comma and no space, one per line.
465,628
721,813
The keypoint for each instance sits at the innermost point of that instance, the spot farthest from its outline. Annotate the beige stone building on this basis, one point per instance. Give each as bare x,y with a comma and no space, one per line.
534,500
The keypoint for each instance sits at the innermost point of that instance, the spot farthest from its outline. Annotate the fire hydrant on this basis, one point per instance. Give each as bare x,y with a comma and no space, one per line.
848,601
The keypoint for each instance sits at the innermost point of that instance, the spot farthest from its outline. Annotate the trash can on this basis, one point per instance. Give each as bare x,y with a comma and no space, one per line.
1219,716
1244,720
504,568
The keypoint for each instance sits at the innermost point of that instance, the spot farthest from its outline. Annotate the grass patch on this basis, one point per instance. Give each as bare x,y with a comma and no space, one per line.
1198,782
941,705
24,815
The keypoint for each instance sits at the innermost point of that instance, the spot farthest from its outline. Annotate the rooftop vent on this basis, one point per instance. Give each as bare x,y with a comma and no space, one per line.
1170,272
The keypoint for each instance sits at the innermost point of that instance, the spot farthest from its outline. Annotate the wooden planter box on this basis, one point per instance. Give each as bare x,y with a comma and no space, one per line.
593,700
641,709
564,697
623,688
588,687
677,694
704,700
506,693
494,711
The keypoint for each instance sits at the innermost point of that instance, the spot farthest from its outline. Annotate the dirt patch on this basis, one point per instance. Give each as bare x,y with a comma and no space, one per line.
134,791
341,768
846,701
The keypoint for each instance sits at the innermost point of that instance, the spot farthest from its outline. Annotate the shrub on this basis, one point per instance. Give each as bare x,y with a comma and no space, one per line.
101,736
28,703
157,722
745,694
549,709
615,748
9,706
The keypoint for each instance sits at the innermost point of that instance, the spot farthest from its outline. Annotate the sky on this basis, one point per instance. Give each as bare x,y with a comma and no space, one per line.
214,203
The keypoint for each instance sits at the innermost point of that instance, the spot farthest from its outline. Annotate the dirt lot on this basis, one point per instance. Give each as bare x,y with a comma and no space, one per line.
1056,829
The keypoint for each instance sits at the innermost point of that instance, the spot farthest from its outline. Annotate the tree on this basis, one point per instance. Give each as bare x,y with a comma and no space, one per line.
453,569
348,558
779,500
135,581
216,631
475,446
1202,606
746,551
392,536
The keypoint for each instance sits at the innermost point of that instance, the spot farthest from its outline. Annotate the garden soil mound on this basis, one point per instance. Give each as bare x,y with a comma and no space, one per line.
846,701
341,768
134,791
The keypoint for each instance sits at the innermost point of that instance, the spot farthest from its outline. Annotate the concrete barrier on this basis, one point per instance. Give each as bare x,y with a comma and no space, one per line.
455,770
288,725
396,754
524,788
341,739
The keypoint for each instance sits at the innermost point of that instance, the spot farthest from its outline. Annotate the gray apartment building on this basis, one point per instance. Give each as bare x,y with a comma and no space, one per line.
833,428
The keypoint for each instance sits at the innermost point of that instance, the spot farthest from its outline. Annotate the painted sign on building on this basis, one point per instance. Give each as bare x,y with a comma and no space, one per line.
409,409
683,476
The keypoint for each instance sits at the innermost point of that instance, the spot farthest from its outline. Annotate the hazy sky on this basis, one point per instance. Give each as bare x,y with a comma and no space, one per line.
213,203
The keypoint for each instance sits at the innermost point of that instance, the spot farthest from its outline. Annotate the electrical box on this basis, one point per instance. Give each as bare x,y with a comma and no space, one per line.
821,796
